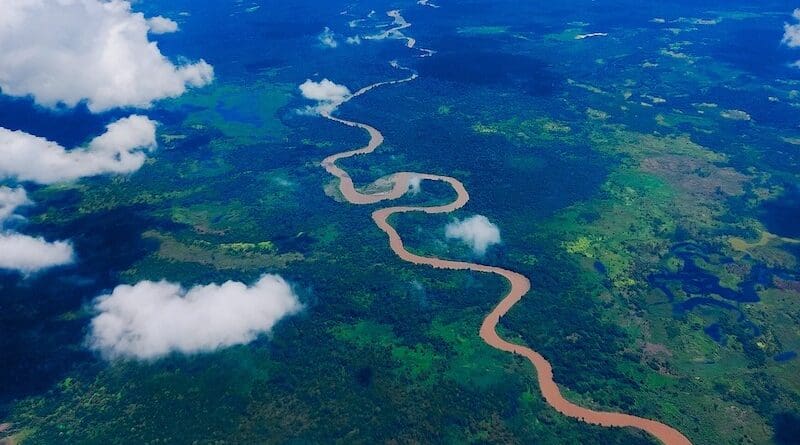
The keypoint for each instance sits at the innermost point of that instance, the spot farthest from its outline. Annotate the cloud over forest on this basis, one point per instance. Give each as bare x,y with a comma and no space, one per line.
28,158
476,231
121,149
151,319
791,33
326,93
69,51
24,253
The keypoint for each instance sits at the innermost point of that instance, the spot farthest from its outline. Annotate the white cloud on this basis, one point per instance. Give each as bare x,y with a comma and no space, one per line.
355,40
152,319
327,38
427,3
476,231
10,201
414,185
161,25
68,51
736,115
791,34
28,254
121,149
324,91
590,35
25,157
328,95
25,253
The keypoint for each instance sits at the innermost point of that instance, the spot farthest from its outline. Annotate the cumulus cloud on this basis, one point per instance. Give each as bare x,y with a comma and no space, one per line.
354,40
327,38
25,253
68,51
324,90
328,95
152,319
161,25
121,149
10,201
25,157
791,33
476,231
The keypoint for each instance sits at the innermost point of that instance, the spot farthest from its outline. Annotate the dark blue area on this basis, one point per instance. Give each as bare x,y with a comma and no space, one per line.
600,267
697,281
714,331
782,215
533,76
785,356
69,128
756,47
691,303
700,285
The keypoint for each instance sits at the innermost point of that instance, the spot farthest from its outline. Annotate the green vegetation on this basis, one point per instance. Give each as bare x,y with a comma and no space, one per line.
625,192
243,113
533,132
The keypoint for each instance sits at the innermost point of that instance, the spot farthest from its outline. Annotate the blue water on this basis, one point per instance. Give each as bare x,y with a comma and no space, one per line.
714,331
782,215
785,356
697,281
703,288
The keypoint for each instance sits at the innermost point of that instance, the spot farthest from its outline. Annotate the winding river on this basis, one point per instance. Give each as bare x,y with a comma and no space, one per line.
519,284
